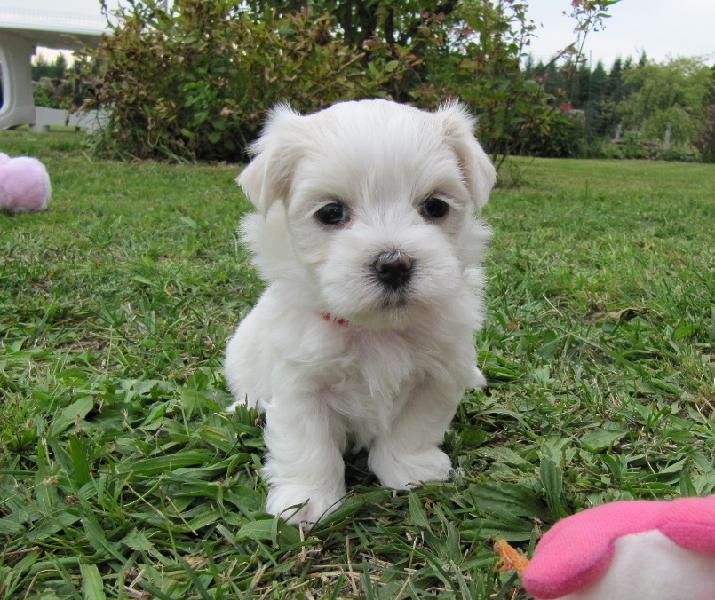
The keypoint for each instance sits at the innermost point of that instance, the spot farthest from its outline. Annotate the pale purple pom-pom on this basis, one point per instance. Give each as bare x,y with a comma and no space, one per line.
24,184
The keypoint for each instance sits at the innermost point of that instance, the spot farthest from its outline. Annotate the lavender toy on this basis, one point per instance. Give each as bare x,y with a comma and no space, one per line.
24,184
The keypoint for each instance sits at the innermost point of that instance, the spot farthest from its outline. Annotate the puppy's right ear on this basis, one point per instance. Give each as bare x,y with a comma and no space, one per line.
268,176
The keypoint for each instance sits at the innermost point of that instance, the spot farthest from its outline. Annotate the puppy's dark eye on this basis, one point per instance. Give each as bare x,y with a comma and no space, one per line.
334,213
434,209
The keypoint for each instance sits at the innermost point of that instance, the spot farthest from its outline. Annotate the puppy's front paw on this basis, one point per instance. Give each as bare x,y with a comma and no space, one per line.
401,470
320,502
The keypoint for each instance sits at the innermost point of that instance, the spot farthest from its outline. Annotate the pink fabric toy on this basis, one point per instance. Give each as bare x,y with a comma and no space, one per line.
632,550
24,184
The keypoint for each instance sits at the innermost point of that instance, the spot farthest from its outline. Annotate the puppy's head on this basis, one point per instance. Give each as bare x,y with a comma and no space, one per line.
377,200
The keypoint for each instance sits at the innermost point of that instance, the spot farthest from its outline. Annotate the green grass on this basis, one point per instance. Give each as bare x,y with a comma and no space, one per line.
120,476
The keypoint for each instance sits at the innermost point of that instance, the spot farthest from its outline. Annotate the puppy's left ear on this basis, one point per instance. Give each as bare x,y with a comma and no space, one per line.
477,170
268,176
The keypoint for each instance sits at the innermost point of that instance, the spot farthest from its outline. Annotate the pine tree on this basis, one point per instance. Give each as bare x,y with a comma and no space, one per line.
614,90
597,87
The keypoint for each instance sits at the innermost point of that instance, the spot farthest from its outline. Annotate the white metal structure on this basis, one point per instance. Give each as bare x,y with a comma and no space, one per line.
25,24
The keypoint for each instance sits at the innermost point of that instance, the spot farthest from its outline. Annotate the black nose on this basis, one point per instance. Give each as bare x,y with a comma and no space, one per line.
393,268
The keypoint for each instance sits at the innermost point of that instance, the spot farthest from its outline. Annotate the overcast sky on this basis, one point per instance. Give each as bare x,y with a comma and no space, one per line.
663,28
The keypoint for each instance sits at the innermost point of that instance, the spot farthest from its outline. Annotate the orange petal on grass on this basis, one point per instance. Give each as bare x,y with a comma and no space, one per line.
510,559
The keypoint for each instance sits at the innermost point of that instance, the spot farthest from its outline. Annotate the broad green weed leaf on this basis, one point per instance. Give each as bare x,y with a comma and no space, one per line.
92,585
265,530
70,414
507,498
10,525
417,513
552,481
97,539
50,525
601,439
168,462
78,454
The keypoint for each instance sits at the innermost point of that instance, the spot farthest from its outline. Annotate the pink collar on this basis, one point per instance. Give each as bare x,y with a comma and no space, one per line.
326,316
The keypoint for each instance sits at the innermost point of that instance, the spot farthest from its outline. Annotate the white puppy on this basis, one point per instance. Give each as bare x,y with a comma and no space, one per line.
365,233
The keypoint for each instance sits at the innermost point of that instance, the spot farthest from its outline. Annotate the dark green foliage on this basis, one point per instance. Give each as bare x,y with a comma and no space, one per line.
482,67
363,20
118,470
563,137
196,83
41,68
54,83
706,141
627,111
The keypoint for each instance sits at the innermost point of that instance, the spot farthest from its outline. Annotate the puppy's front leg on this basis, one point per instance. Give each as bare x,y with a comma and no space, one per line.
408,453
305,440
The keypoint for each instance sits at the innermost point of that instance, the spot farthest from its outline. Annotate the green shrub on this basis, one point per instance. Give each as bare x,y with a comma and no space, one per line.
196,83
605,148
476,56
706,140
635,146
54,92
562,136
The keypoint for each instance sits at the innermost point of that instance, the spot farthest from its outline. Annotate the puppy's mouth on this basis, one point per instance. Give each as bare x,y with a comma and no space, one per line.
395,299
382,309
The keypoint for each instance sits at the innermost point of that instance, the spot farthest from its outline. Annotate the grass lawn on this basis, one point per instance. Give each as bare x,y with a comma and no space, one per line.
119,472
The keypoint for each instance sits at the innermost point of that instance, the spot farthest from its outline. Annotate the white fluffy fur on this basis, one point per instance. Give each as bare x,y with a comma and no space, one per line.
651,566
391,379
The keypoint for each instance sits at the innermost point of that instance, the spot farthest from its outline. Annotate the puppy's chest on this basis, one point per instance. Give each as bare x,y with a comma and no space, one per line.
372,377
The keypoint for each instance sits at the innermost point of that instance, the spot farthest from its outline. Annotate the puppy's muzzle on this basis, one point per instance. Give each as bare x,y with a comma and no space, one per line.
393,269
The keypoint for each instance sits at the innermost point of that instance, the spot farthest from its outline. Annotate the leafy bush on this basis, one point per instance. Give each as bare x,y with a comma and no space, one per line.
195,83
53,83
563,136
706,141
635,146
673,92
682,126
604,148
54,92
475,55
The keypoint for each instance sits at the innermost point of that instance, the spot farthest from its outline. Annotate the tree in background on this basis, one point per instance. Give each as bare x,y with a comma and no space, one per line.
41,68
358,21
706,139
195,82
637,103
669,95
470,49
54,83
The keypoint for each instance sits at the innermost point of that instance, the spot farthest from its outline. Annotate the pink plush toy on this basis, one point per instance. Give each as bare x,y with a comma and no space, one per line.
632,550
24,184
